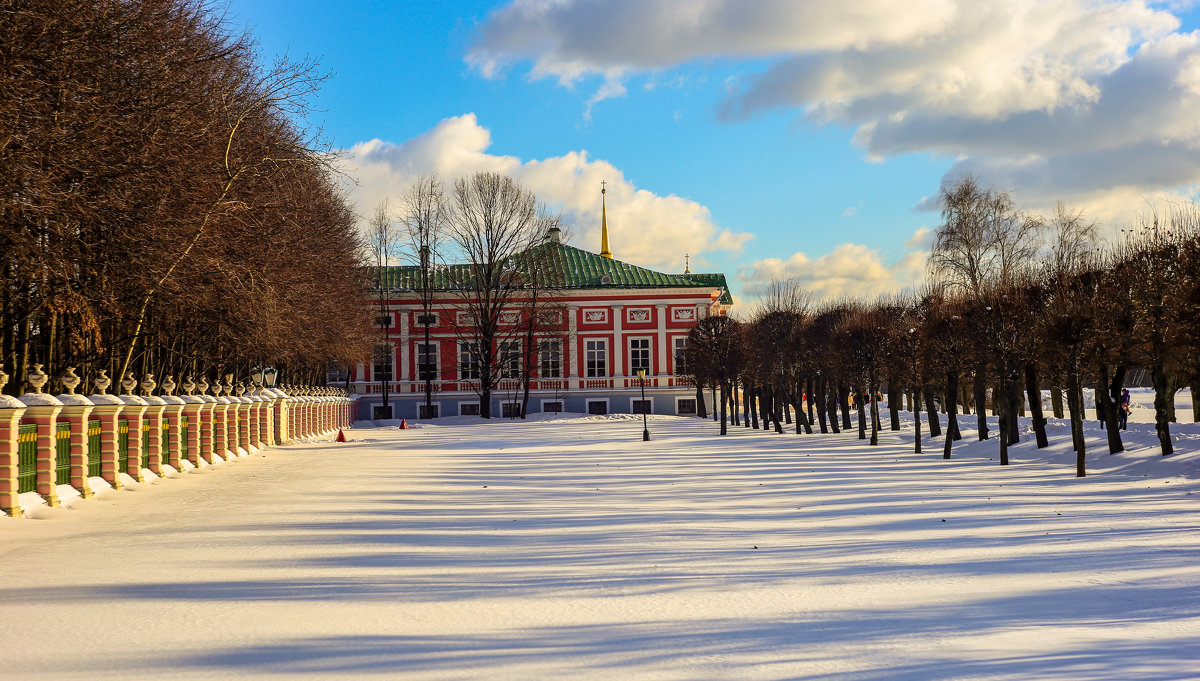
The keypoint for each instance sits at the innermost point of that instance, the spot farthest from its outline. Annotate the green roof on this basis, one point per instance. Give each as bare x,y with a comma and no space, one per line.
570,268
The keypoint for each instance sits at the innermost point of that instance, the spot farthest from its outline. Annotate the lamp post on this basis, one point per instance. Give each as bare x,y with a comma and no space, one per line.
642,383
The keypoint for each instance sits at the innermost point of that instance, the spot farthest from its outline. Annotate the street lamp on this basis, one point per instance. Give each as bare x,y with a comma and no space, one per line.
645,427
269,374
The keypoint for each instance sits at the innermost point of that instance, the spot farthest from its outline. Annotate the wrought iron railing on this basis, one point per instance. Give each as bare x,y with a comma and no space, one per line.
94,452
62,453
27,458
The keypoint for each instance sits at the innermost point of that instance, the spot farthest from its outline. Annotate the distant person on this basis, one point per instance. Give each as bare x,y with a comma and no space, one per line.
1123,412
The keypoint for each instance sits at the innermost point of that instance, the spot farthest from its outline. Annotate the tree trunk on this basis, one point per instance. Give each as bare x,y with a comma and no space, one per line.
808,399
701,407
1012,395
733,403
1172,386
1056,400
873,392
751,406
724,398
916,414
1110,408
981,401
819,398
1162,396
842,394
893,398
716,408
1033,388
862,414
777,405
1075,404
833,413
935,426
952,431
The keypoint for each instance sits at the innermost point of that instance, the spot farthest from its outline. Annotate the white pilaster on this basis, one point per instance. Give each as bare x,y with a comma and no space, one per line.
618,349
661,311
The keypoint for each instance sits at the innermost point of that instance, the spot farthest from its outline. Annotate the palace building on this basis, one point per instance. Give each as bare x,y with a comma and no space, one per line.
606,331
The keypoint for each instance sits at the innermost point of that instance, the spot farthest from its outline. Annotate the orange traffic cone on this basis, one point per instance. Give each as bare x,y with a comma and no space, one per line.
403,424
341,436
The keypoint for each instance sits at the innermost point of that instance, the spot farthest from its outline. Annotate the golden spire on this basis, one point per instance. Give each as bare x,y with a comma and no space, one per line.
604,252
687,268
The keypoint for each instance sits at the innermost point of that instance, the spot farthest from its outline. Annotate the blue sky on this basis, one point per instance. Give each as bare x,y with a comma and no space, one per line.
767,139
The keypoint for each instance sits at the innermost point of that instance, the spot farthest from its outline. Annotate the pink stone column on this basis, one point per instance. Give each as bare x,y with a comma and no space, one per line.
191,411
76,410
222,444
134,414
11,411
173,447
243,410
154,417
208,443
42,410
107,410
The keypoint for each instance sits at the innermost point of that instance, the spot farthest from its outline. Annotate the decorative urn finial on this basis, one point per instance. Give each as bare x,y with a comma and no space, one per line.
129,383
69,380
202,386
3,378
148,384
188,385
240,388
168,385
37,378
102,382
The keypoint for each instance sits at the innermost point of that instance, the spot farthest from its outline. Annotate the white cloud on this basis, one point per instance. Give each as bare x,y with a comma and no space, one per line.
851,270
1052,98
644,228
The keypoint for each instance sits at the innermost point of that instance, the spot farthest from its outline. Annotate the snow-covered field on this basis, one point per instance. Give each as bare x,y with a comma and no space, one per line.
568,548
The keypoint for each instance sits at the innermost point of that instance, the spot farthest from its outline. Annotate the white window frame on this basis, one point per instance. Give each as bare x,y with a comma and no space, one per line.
587,405
561,403
603,315
505,363
639,311
634,400
437,359
474,368
695,406
676,351
587,369
472,403
649,354
558,343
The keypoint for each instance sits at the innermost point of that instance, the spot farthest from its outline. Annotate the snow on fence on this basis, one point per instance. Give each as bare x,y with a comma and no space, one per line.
48,441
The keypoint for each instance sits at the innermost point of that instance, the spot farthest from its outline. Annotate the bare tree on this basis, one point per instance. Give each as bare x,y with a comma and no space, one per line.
424,212
492,221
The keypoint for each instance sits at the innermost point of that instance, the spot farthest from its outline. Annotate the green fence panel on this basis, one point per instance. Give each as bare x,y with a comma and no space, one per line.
93,448
164,439
27,458
62,454
145,444
123,446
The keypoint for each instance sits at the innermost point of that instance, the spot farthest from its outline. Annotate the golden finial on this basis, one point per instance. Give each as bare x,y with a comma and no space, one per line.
687,268
604,252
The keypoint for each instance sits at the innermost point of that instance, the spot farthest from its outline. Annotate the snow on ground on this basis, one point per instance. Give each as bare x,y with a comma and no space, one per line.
567,548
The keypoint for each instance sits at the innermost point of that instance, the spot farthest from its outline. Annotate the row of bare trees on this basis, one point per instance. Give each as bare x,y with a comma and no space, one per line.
165,209
1018,304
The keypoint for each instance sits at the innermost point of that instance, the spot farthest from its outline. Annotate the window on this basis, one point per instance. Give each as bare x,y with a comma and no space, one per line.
468,362
427,362
685,405
550,358
431,318
381,369
643,406
680,359
639,355
510,359
427,411
337,375
468,409
510,410
597,357
598,407
380,412
384,320
552,406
